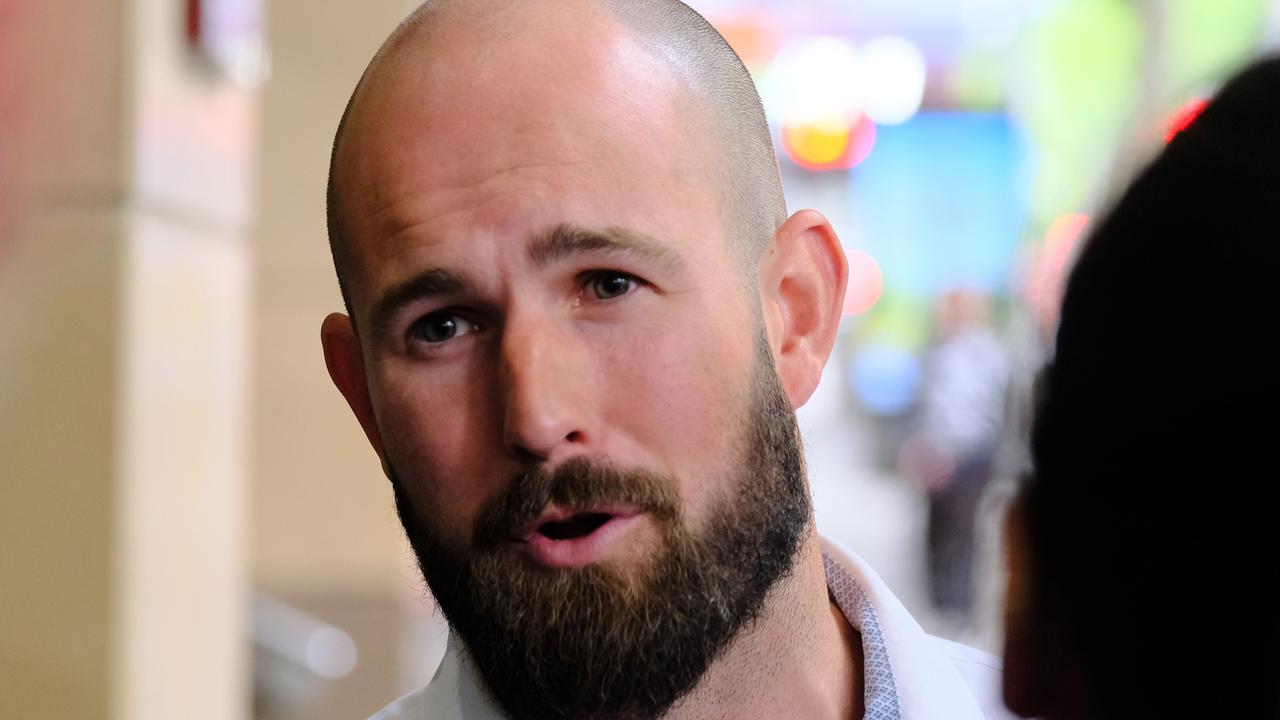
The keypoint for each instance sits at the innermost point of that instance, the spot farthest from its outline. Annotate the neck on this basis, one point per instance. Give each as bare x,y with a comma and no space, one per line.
801,658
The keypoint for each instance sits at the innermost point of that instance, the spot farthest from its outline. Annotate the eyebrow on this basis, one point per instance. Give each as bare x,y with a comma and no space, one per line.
426,284
560,242
565,240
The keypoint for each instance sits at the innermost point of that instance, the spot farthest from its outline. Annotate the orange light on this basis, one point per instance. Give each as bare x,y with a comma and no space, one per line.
866,283
752,34
1044,284
829,145
817,144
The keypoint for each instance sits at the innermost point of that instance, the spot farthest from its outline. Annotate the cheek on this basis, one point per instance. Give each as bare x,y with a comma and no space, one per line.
680,395
436,430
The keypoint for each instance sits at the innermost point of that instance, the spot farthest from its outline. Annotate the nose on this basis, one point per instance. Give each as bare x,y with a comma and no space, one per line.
545,390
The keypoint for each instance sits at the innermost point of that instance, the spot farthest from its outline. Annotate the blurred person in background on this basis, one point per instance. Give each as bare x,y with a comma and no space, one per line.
950,454
1143,553
579,322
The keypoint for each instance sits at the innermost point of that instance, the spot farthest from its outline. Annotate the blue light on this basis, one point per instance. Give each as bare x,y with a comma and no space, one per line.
884,379
939,204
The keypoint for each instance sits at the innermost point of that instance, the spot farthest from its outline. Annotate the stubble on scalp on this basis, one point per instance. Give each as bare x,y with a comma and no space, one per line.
598,641
697,56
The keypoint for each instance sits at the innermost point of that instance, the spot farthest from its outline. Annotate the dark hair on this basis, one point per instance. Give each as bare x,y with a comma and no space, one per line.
1156,442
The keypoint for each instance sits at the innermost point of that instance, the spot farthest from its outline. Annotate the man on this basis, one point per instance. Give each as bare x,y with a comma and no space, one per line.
579,320
950,453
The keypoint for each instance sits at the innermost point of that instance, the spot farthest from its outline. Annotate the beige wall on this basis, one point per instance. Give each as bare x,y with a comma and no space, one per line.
123,286
59,314
323,521
324,532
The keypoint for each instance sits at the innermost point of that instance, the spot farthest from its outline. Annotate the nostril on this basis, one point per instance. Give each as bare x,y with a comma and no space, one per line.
574,436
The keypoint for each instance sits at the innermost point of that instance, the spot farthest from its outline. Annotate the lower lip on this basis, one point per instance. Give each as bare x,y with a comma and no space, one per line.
579,551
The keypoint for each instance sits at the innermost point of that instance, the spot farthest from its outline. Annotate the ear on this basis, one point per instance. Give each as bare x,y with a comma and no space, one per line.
803,275
345,361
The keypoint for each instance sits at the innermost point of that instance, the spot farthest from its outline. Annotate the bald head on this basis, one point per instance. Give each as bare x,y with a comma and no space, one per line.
453,57
560,229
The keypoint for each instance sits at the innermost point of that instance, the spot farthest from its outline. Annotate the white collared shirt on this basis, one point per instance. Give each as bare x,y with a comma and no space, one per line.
907,673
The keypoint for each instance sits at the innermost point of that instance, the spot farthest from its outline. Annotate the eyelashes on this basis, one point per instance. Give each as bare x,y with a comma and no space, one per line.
439,328
610,284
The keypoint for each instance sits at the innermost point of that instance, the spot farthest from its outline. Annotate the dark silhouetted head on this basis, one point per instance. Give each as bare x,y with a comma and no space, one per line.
1145,555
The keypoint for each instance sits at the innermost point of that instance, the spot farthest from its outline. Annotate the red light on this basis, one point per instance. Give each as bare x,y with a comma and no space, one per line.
193,23
1182,119
866,283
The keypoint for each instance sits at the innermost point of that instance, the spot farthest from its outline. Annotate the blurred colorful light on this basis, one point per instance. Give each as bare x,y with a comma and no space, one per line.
866,283
811,92
816,145
1062,236
884,379
893,73
827,96
962,167
1044,284
752,32
1183,118
813,81
829,145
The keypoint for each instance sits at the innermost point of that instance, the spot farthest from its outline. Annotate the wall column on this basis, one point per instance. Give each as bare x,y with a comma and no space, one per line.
123,336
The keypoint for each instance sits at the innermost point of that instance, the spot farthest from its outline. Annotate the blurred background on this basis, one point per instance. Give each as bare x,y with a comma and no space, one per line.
191,523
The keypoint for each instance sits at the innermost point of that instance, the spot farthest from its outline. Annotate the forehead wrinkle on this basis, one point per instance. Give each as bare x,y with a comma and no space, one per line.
398,144
565,240
405,217
406,208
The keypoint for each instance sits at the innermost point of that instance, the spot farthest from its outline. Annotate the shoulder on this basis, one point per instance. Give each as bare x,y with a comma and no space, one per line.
454,693
438,700
981,672
968,657
411,706
919,677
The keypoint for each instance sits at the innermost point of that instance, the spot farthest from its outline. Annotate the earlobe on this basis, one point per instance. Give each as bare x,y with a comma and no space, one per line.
803,277
343,358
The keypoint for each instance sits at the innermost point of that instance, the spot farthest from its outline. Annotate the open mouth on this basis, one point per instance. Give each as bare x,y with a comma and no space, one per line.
574,537
575,526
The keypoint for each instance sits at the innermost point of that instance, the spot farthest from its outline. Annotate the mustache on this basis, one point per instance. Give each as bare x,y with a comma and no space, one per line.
577,482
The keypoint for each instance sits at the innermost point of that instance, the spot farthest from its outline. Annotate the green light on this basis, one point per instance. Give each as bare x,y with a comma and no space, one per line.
1209,39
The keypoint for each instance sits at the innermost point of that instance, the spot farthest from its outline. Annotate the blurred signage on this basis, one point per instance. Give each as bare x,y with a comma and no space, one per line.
229,35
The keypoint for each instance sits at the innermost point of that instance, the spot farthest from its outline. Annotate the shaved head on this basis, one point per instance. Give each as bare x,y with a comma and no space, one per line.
716,103
579,321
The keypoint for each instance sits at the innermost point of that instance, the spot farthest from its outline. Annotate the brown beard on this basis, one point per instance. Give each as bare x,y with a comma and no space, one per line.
626,643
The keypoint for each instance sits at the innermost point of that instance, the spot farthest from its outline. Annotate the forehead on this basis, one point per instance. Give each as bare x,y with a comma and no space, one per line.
451,141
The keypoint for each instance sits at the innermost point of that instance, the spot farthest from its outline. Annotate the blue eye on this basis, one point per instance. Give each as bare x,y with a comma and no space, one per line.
441,327
608,285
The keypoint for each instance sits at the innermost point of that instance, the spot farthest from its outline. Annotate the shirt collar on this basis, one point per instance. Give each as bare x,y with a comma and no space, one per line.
905,676
906,673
